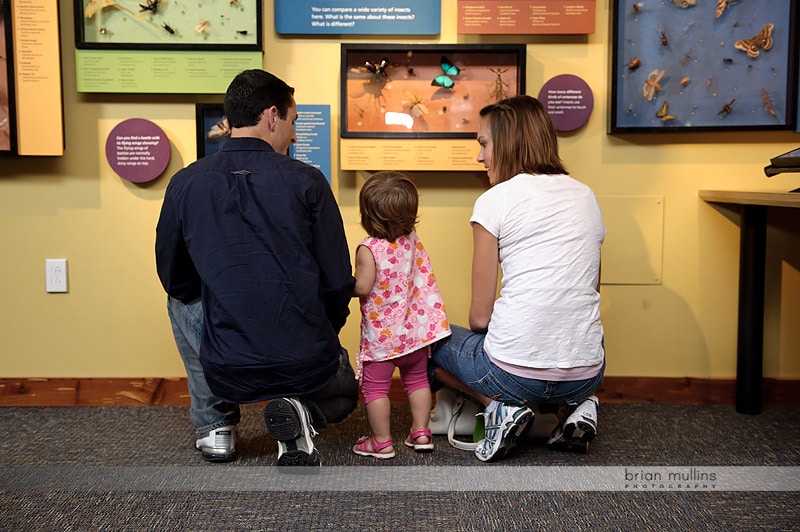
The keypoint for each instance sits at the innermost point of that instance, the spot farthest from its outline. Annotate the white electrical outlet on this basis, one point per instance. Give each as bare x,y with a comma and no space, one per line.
56,275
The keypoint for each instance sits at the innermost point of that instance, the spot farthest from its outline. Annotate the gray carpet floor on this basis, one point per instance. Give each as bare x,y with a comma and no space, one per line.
134,468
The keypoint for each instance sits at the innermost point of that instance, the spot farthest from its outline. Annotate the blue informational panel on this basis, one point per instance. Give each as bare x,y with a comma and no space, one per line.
313,147
313,128
358,17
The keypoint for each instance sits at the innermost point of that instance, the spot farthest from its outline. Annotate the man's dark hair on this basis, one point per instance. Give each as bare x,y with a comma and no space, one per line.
251,92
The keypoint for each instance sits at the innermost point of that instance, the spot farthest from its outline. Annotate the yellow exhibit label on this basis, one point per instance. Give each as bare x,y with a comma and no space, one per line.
37,75
410,154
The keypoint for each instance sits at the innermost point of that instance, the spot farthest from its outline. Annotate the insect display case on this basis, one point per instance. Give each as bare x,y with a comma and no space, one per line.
7,126
681,65
212,128
425,91
233,25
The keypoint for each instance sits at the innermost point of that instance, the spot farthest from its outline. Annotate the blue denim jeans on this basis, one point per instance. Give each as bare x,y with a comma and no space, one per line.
462,355
207,412
331,404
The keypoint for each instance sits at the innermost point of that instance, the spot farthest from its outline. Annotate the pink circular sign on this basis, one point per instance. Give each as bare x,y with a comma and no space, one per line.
568,100
138,150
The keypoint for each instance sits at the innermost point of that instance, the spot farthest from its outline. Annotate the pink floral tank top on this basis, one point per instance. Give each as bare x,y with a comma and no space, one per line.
404,312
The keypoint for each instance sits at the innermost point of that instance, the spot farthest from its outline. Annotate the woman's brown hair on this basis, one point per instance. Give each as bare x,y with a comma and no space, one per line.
523,138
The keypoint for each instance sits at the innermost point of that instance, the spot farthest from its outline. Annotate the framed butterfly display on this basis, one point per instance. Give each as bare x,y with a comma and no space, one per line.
710,65
425,91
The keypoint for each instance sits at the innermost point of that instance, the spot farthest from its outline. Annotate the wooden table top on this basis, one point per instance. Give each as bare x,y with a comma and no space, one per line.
752,197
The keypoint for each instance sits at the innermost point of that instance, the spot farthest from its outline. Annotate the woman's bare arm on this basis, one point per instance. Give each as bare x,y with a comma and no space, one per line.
485,266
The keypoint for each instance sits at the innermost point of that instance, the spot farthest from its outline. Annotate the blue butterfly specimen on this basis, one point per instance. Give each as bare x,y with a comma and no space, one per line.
445,80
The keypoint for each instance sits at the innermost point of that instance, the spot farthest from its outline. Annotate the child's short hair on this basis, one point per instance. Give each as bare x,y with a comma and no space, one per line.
388,203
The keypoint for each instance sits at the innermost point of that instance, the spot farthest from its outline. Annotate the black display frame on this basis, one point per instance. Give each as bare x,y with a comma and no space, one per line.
8,115
169,26
680,67
369,71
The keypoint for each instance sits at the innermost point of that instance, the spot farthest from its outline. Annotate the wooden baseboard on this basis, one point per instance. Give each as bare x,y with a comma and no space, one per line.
690,390
173,391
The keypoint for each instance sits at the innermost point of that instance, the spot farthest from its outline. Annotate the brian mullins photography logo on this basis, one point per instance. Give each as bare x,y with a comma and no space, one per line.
671,479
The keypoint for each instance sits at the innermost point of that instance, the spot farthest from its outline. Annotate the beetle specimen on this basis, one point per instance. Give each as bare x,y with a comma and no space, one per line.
662,34
726,109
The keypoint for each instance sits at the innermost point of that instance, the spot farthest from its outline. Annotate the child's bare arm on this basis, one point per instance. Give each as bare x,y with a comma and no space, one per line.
365,271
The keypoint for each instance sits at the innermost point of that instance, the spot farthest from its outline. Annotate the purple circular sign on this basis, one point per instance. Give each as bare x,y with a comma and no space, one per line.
568,100
138,150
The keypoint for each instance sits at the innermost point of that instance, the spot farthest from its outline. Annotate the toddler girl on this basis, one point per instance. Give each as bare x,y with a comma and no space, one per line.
401,308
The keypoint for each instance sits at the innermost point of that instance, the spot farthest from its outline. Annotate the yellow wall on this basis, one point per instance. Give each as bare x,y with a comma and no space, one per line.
113,322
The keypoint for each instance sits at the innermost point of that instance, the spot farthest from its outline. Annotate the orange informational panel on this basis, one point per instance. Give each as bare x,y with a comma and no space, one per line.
526,16
37,77
410,155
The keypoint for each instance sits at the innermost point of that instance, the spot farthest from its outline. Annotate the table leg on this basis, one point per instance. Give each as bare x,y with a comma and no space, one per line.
750,346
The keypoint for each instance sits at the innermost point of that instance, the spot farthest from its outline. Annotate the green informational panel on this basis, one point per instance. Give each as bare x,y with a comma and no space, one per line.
156,71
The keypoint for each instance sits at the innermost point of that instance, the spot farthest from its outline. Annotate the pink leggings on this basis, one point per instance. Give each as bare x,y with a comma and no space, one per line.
378,374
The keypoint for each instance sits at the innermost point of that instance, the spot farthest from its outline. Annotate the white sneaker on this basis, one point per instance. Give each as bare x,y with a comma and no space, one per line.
289,423
578,429
218,445
503,423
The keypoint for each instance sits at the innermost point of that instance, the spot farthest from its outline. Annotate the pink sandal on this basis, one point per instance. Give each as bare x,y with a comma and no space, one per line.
414,435
369,446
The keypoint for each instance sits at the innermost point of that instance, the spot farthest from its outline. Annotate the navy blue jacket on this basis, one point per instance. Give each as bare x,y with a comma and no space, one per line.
259,237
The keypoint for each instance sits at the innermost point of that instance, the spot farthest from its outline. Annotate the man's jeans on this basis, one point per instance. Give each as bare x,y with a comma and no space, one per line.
334,402
208,412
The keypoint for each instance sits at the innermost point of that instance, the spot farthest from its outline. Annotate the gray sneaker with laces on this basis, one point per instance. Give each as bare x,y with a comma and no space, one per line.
218,445
578,429
289,423
503,423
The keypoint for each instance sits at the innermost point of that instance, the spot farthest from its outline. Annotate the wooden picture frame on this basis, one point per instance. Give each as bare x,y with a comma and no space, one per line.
424,91
168,25
686,65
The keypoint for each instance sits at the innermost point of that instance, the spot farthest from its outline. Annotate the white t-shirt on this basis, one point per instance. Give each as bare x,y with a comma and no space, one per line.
549,229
